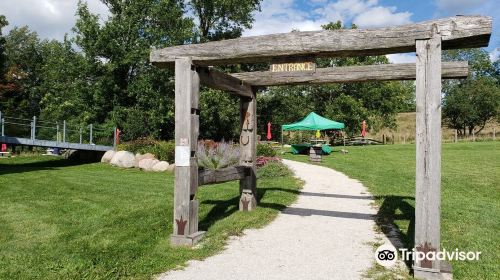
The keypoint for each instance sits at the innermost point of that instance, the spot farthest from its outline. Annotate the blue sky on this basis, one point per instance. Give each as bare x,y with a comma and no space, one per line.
54,18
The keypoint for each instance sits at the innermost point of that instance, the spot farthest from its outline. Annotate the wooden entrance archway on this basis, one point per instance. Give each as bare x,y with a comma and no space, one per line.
192,67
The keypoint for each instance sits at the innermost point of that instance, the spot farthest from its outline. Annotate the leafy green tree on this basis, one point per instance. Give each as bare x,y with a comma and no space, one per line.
469,104
3,58
222,19
21,96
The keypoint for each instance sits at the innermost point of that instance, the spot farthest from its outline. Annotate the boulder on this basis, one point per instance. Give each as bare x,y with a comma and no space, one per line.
139,157
171,167
108,156
161,166
123,159
147,164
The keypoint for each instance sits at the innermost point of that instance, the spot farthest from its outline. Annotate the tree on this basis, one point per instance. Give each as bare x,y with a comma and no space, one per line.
21,95
3,58
222,19
469,104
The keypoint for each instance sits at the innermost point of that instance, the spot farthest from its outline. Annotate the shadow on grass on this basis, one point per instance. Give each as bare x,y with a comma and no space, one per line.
397,208
221,210
49,164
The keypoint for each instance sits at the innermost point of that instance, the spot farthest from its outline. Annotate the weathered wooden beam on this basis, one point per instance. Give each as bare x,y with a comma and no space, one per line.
185,222
206,177
213,78
248,151
456,32
349,74
428,156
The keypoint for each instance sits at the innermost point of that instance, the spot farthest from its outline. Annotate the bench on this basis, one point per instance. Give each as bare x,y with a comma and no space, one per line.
5,154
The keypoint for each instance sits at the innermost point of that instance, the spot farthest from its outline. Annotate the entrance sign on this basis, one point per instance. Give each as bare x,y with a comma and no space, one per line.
293,67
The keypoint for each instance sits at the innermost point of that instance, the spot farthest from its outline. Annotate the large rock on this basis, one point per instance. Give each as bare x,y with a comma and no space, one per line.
161,166
147,164
108,156
123,159
171,168
139,157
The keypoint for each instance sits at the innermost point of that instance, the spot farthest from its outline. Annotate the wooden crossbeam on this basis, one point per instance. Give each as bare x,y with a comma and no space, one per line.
206,177
348,74
456,32
213,78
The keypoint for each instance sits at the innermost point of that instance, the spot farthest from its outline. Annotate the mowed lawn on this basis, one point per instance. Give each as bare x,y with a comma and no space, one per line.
470,196
59,220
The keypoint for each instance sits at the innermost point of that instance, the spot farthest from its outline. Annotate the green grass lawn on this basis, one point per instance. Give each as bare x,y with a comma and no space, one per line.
470,196
59,220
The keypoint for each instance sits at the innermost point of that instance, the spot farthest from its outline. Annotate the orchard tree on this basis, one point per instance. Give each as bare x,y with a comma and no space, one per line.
469,104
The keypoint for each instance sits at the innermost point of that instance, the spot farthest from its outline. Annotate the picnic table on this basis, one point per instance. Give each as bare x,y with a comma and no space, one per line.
304,148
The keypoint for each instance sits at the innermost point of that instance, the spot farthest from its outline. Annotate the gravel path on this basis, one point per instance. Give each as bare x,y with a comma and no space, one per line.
326,234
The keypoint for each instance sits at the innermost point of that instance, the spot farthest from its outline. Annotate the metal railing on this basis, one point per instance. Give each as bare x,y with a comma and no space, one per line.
58,131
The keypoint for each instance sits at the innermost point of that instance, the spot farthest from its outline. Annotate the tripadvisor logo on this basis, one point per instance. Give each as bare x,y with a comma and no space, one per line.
387,255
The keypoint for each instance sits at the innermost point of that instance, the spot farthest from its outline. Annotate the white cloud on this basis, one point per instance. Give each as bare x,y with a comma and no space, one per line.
402,58
382,16
49,18
280,16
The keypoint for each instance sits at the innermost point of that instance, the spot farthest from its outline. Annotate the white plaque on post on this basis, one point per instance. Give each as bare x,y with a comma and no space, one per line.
182,155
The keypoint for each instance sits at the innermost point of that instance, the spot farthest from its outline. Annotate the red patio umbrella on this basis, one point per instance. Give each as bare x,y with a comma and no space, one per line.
363,129
4,148
269,135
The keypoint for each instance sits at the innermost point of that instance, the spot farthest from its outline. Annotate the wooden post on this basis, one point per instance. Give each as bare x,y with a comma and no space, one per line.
428,155
2,121
114,139
64,131
248,150
34,128
187,86
91,134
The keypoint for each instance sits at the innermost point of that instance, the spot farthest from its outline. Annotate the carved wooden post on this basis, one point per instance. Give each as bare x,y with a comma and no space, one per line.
187,85
248,150
428,153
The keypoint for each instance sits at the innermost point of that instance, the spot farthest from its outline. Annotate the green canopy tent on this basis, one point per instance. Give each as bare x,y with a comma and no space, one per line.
313,121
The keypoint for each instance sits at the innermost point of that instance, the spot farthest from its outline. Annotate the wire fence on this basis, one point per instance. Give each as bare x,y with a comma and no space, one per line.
59,131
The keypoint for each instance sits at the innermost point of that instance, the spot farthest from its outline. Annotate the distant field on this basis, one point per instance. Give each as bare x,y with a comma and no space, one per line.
405,132
470,196
93,221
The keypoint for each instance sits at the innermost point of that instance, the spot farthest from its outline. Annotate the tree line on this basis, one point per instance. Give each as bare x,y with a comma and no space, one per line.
100,73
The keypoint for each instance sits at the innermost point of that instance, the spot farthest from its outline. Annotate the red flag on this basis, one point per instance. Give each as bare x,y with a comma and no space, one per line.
4,148
269,135
363,129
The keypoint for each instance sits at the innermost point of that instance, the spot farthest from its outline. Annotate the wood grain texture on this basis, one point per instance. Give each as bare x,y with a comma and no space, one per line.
456,32
428,151
222,175
248,151
349,74
186,134
215,79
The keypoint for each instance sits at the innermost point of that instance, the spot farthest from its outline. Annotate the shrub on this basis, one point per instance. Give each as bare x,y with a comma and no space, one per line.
261,161
163,150
265,150
273,169
217,155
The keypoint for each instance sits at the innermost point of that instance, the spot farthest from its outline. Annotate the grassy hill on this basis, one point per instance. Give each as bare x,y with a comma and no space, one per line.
405,131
